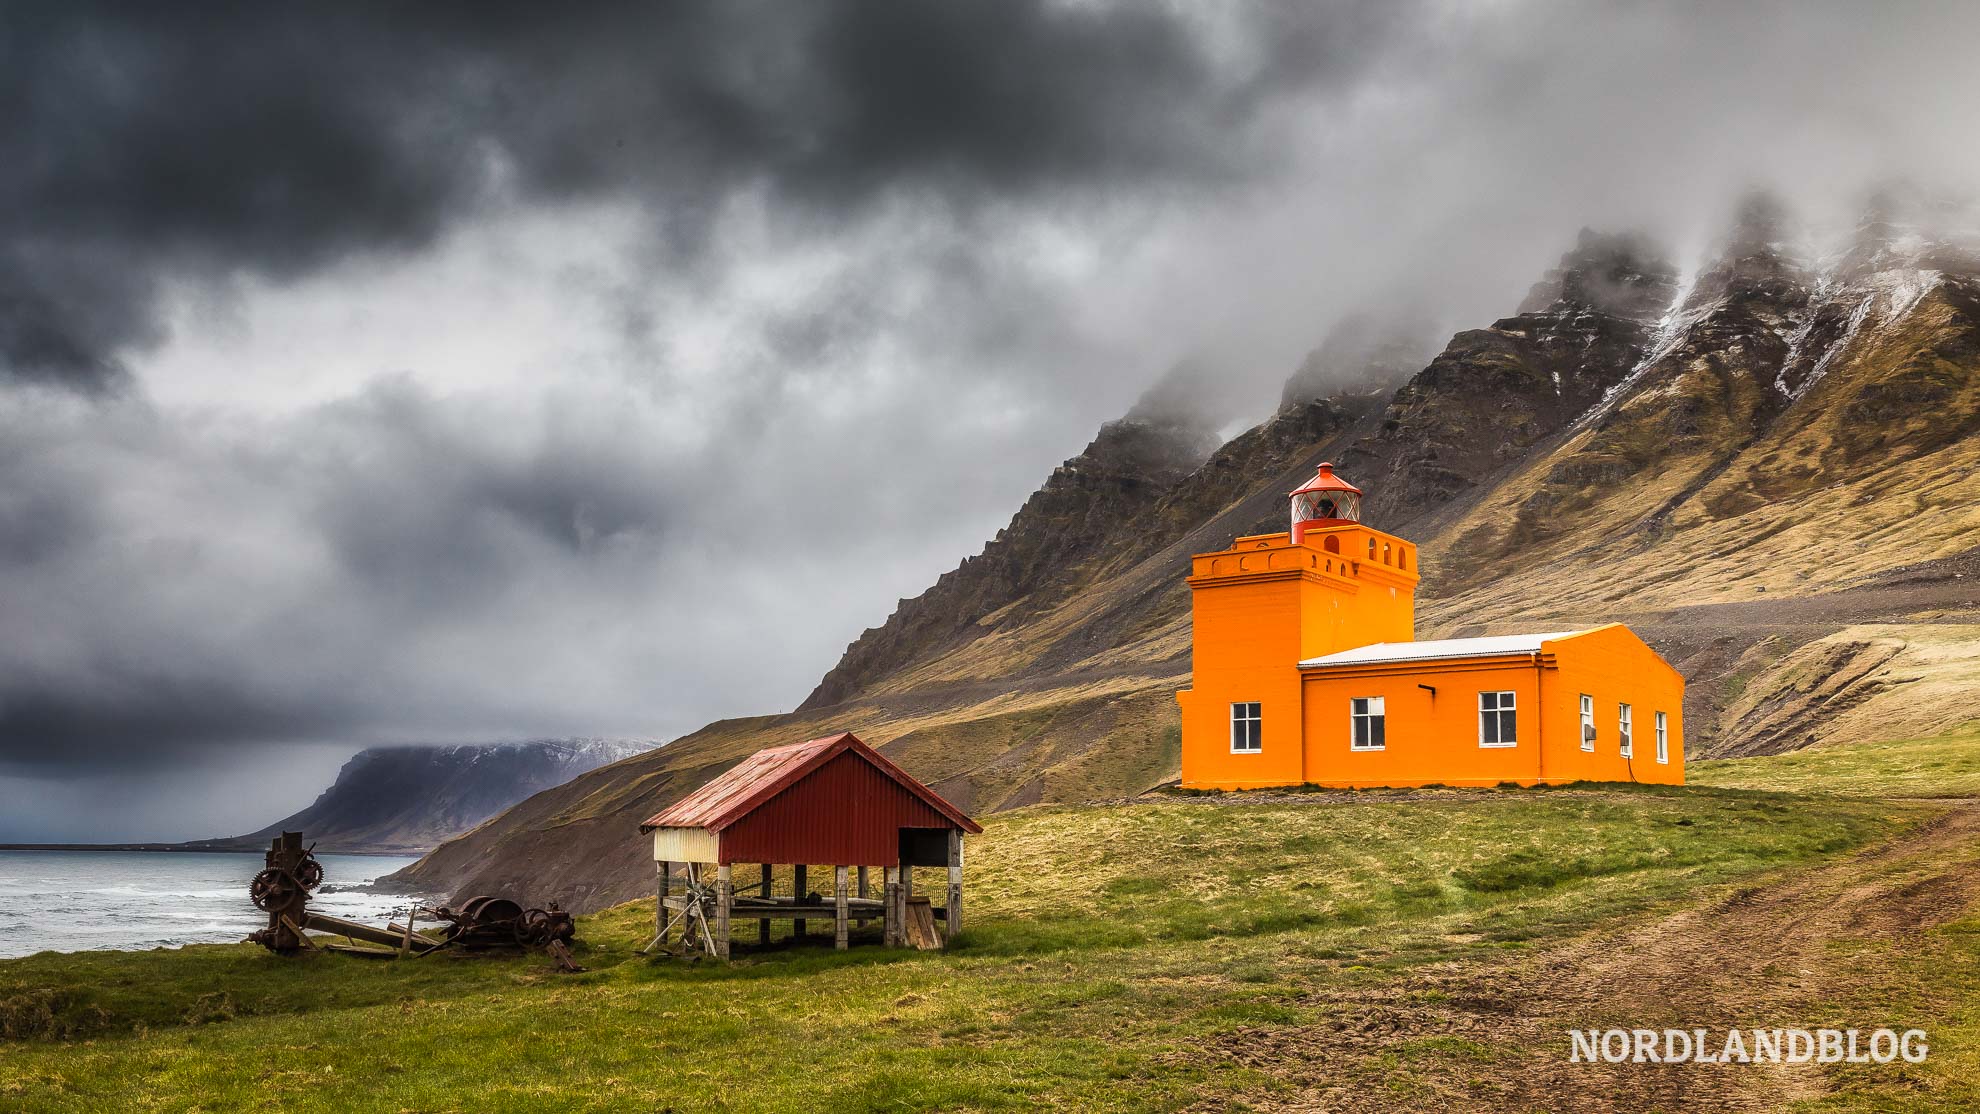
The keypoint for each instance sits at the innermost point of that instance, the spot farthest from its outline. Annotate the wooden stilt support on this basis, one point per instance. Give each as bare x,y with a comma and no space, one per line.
839,900
862,883
890,902
763,926
724,894
952,919
665,870
797,925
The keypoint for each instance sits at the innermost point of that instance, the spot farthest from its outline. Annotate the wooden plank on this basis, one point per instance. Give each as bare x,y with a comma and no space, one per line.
920,922
300,934
839,932
862,882
359,949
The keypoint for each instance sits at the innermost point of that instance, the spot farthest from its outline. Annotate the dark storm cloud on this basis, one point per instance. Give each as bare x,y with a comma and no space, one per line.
450,373
147,141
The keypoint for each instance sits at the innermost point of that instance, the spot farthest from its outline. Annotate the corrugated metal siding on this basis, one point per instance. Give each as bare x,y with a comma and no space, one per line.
684,845
846,812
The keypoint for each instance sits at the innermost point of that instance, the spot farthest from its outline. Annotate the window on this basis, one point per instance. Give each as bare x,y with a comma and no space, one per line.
1587,722
1246,729
1663,737
1369,717
1622,728
1498,722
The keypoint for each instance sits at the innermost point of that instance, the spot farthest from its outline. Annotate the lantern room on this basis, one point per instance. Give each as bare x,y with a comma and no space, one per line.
1325,500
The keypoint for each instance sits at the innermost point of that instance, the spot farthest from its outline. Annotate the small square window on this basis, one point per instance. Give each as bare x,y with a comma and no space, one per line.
1587,722
1663,737
1622,729
1368,718
1498,719
1247,728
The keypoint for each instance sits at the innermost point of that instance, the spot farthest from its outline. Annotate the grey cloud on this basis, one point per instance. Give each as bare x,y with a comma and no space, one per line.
146,141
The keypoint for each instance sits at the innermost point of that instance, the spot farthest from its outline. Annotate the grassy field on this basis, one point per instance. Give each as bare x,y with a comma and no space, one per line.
1941,766
1118,957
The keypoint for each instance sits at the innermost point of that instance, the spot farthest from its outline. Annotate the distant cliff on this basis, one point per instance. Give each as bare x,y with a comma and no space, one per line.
415,798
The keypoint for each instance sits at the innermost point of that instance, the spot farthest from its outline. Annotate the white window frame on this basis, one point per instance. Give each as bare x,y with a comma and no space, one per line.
1626,743
1587,722
1248,712
1375,709
1663,737
1503,701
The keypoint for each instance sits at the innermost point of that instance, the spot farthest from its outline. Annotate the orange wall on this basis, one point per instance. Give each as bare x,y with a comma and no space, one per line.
1614,666
1433,740
1260,607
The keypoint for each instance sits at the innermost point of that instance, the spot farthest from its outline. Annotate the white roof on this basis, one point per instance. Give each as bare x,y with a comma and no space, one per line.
1496,645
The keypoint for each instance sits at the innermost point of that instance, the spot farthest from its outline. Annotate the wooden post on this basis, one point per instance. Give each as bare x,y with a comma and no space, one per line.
724,892
890,892
797,925
665,870
763,925
862,883
839,898
952,920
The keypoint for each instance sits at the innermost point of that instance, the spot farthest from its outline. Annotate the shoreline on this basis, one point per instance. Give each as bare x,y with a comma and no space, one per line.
395,853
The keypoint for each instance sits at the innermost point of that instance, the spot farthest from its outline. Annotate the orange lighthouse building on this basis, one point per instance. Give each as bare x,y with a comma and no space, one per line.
1306,671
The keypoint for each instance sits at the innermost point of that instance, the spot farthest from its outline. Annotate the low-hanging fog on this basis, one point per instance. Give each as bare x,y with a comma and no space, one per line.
378,374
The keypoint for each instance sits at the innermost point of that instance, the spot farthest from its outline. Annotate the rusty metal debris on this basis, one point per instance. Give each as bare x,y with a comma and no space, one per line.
481,924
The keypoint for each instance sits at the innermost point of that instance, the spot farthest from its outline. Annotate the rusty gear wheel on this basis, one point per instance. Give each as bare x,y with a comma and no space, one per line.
272,889
309,873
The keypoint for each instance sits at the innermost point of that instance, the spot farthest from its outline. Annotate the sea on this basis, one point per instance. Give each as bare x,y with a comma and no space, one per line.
72,901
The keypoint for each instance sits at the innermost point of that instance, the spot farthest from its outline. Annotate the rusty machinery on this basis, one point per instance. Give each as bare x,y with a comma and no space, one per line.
481,924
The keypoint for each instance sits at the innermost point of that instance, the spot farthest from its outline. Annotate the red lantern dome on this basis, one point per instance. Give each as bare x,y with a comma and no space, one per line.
1325,500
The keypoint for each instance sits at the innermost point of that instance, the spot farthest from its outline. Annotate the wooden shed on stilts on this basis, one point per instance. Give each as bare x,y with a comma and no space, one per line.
833,801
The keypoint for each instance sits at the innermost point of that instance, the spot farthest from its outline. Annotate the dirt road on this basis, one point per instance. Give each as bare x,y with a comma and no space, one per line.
1787,951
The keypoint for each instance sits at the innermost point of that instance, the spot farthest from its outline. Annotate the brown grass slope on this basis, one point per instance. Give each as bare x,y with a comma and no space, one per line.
1784,507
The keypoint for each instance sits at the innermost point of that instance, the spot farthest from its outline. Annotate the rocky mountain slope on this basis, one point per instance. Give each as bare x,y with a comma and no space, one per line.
1768,469
408,799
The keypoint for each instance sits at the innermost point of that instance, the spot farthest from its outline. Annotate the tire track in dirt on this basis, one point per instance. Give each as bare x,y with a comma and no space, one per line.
1493,1035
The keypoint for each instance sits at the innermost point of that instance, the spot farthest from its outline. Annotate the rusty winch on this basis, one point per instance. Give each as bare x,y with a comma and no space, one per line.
481,924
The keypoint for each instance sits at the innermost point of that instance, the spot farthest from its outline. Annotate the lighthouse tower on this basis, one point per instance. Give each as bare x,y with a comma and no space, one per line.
1330,583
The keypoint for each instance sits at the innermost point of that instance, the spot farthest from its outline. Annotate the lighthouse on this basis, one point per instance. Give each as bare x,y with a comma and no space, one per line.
1324,500
1305,669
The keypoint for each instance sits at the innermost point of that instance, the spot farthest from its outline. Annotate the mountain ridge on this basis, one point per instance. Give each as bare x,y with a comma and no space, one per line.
412,799
1609,451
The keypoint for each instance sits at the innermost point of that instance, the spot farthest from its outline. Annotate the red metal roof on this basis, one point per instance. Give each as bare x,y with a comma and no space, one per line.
1325,481
754,781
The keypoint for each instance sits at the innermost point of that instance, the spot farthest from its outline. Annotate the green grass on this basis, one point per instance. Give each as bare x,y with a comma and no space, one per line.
1105,947
1945,765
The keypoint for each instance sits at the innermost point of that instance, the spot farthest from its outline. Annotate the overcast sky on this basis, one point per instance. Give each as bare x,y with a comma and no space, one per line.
454,373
